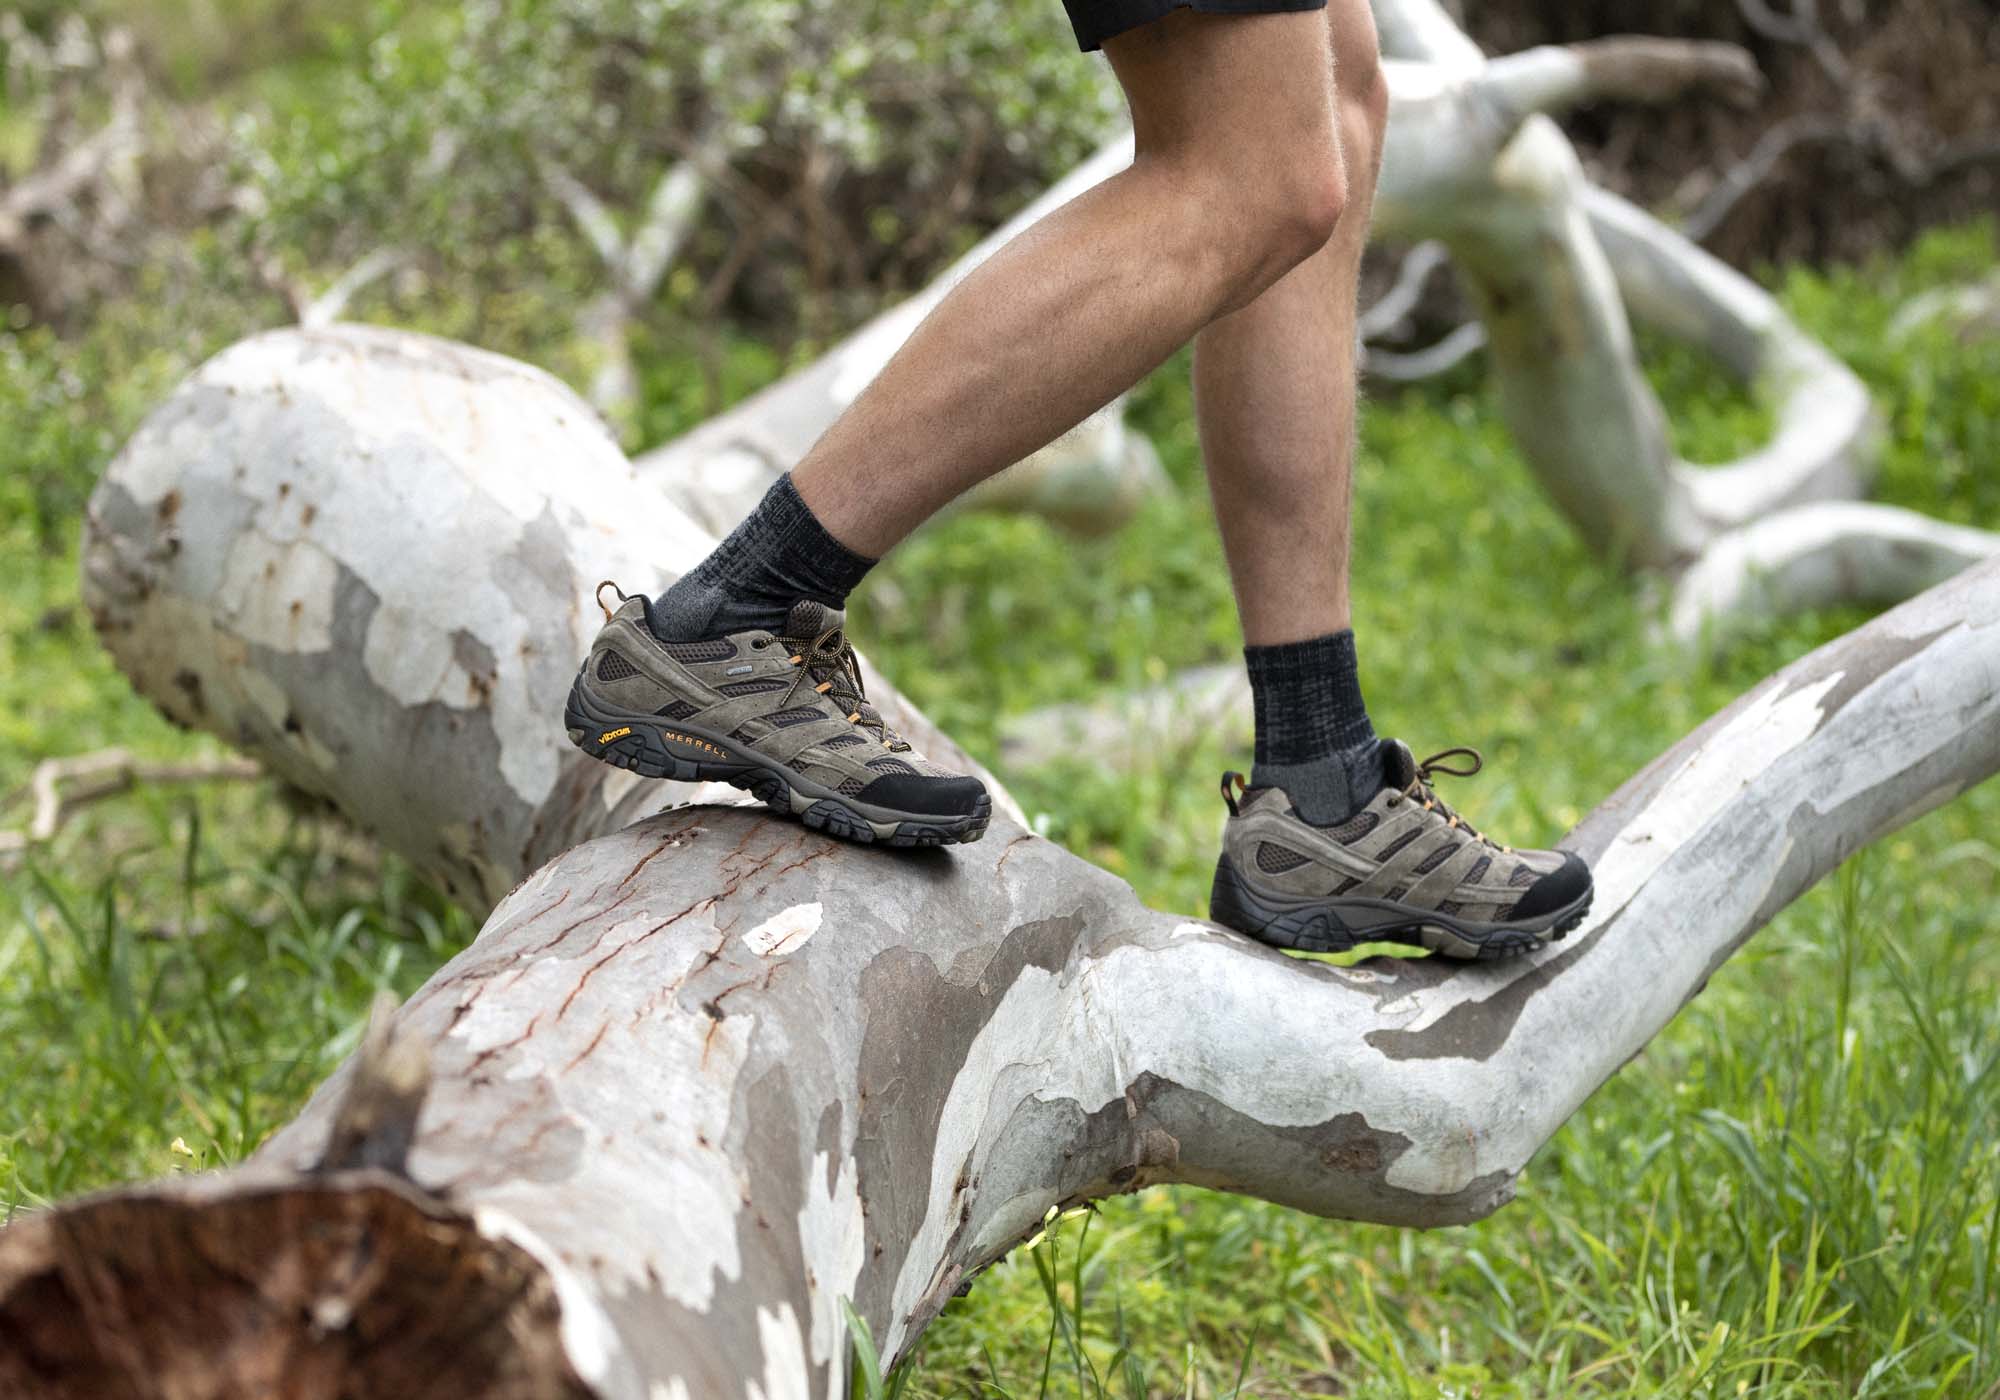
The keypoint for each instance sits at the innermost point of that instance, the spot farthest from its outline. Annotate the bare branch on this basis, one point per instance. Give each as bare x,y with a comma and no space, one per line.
1402,297
61,787
1803,28
1626,68
1969,310
1819,556
593,219
1408,366
1741,178
670,218
329,306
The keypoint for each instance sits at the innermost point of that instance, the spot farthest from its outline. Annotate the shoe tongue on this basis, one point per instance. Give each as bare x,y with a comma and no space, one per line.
1399,765
808,619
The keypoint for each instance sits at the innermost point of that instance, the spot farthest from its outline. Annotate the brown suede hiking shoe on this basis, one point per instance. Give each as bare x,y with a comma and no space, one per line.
782,716
1404,869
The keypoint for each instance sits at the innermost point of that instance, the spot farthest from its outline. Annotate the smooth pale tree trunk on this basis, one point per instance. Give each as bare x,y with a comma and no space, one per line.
706,1075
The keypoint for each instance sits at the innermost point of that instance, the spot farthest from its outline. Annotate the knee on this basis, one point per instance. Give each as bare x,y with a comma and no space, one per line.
1307,200
1279,212
1246,219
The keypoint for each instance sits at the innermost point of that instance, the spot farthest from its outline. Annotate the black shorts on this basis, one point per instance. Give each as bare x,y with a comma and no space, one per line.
1097,20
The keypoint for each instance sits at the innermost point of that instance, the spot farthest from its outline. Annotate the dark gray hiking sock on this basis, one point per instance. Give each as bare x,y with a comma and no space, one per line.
1314,741
778,555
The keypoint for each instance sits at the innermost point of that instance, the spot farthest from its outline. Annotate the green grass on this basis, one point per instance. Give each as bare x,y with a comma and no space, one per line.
1793,1192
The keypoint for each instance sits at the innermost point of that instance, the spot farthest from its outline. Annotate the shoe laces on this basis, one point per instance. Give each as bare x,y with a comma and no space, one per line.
829,662
1421,791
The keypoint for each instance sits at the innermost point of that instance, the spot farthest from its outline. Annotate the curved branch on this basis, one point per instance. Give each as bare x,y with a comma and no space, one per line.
1827,435
1819,556
1624,67
1408,366
1413,274
1747,174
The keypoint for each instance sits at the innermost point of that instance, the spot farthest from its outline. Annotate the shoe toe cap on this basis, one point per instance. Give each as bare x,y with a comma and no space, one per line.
1555,890
924,795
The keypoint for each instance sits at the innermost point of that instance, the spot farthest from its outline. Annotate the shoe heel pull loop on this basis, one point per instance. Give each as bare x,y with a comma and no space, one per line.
1233,787
623,598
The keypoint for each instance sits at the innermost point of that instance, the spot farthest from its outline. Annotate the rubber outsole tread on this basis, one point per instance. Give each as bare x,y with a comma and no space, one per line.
641,750
1320,929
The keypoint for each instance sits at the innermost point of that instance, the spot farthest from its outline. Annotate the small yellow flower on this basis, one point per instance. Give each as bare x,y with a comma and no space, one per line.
180,1148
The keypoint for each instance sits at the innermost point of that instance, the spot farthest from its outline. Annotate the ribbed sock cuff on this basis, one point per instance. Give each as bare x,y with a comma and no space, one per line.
782,548
779,554
1307,699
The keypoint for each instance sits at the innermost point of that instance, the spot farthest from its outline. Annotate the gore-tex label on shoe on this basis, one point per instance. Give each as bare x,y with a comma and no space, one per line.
737,670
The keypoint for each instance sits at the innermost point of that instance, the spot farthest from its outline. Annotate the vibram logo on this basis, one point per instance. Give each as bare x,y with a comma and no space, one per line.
608,735
693,742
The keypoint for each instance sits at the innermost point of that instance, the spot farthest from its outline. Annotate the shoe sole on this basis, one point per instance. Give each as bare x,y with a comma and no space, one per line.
1336,925
653,748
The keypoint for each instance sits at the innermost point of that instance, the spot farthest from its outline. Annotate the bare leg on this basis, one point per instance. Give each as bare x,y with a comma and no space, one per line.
1274,390
1237,177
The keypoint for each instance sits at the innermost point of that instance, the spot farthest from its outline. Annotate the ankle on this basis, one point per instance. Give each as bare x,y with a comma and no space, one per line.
779,554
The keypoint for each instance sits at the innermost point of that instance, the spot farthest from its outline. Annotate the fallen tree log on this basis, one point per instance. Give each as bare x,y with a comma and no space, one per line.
705,1076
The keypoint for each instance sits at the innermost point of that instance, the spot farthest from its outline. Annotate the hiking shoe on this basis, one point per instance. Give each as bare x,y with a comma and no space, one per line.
1404,869
782,716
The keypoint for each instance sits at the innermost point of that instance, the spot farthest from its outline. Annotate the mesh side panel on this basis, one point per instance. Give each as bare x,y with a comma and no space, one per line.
890,765
1276,860
849,786
680,709
843,741
716,650
758,687
1398,892
1401,841
1355,827
1451,906
1524,877
612,666
1438,857
1479,868
804,715
1345,885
